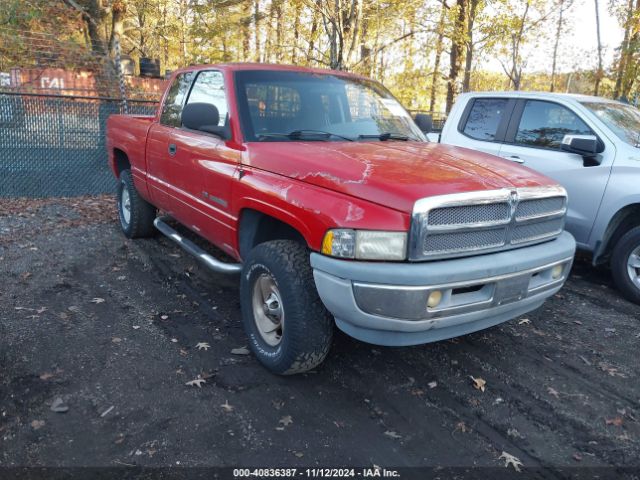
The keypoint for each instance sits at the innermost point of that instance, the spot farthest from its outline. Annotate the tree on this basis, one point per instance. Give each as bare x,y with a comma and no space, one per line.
599,73
455,54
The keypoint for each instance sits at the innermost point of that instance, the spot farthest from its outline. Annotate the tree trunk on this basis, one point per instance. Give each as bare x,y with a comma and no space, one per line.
555,48
468,58
436,67
246,23
95,19
118,12
256,27
625,51
596,88
457,42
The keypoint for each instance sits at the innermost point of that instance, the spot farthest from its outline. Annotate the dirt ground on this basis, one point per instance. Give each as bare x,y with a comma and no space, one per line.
110,326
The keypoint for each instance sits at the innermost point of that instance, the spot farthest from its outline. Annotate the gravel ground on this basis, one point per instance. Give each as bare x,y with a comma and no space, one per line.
107,328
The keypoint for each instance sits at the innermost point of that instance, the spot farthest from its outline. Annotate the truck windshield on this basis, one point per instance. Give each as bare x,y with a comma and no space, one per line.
302,106
624,120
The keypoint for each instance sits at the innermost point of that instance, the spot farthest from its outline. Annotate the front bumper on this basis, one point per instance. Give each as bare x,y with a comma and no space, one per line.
386,303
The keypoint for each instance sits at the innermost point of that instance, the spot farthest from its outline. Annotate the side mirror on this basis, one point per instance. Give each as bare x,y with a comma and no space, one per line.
585,145
203,117
424,122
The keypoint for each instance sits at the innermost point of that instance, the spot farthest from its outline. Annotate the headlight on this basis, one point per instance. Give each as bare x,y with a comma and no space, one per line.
365,244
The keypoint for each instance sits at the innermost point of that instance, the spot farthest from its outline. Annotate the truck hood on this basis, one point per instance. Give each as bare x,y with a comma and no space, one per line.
393,173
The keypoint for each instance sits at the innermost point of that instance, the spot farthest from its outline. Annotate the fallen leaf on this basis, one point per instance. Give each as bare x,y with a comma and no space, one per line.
577,457
553,391
513,432
203,346
97,300
37,424
226,407
524,321
240,351
59,406
136,327
462,427
617,421
299,454
286,420
510,460
196,382
174,340
116,339
42,310
433,384
164,317
393,435
46,376
478,383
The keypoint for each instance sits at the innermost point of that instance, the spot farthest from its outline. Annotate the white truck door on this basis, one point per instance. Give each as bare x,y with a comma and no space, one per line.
533,138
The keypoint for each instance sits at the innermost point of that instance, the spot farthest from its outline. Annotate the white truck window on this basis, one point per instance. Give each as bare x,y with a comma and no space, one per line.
544,124
484,118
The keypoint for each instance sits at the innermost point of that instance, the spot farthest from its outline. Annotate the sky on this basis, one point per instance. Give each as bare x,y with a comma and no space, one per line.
579,46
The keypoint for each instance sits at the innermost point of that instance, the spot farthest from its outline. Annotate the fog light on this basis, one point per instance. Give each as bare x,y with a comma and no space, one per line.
434,299
556,272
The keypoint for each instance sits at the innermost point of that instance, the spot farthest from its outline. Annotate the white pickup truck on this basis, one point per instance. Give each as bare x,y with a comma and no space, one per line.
590,145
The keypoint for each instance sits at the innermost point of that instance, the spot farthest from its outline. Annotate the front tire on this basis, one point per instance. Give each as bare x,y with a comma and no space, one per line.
625,265
135,213
289,329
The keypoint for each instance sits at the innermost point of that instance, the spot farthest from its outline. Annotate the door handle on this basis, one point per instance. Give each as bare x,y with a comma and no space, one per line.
172,149
515,158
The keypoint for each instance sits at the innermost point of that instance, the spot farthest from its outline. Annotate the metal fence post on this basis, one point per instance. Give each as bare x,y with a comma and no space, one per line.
120,73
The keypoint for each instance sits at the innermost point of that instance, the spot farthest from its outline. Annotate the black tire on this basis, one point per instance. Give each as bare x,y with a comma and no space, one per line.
141,213
307,325
622,251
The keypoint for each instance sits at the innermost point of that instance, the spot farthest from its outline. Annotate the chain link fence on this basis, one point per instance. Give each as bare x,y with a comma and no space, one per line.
55,98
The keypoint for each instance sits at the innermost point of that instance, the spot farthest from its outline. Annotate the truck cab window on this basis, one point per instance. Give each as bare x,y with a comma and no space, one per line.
544,124
209,88
484,118
172,108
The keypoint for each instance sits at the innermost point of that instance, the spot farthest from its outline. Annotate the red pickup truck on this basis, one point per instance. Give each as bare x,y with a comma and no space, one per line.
335,207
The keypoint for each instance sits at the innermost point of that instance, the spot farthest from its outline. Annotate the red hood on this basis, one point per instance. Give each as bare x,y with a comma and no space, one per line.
394,174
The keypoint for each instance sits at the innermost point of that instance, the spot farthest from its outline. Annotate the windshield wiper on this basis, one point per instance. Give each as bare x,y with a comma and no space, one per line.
307,134
383,137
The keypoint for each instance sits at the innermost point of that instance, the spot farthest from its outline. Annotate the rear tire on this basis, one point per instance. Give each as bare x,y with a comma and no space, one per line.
135,213
625,265
289,329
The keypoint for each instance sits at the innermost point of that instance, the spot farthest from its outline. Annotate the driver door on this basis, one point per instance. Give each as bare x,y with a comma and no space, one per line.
533,138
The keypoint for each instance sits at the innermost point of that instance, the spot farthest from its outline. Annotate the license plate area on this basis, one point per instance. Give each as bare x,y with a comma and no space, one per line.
511,289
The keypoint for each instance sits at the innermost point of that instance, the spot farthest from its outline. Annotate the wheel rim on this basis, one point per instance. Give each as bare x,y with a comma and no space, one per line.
268,311
633,267
125,206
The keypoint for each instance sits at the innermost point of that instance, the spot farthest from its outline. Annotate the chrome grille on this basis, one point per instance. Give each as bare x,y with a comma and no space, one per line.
470,214
541,206
537,231
464,241
477,222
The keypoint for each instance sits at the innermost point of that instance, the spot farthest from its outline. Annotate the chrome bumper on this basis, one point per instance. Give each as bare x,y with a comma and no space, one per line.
386,303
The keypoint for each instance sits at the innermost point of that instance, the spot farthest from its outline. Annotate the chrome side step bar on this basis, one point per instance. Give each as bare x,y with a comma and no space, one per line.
187,245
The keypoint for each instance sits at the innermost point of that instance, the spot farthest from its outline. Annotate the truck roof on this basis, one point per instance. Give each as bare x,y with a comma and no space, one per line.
233,66
576,97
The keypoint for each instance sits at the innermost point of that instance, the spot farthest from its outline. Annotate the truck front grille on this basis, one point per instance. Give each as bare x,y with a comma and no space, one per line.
480,222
